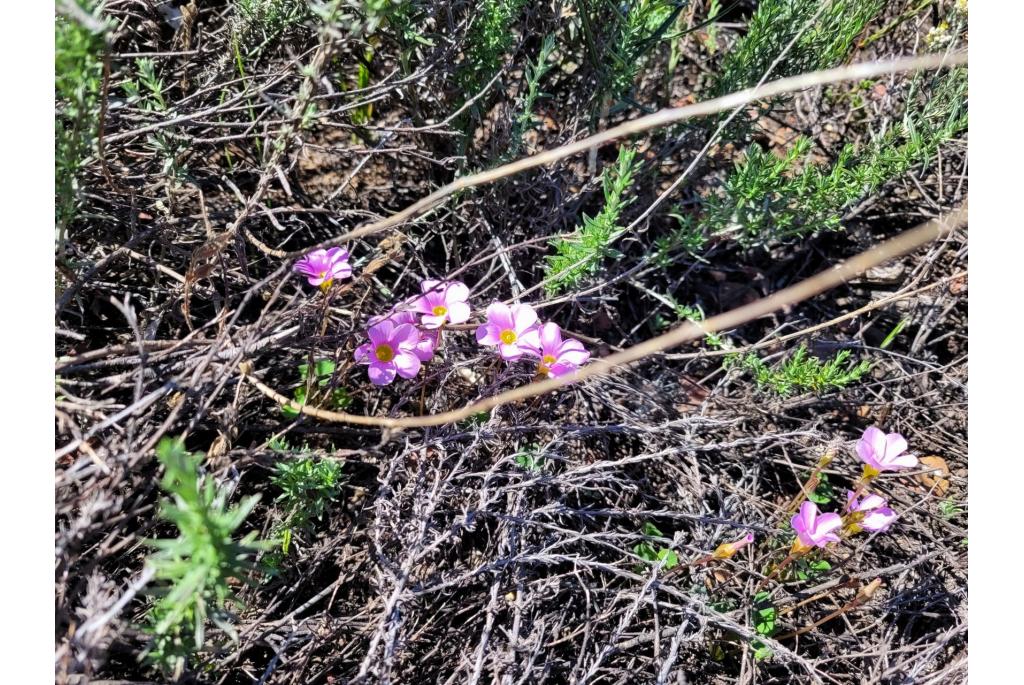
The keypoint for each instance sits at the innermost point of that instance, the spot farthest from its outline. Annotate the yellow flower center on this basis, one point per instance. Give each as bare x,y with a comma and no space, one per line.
547,360
508,336
439,310
384,353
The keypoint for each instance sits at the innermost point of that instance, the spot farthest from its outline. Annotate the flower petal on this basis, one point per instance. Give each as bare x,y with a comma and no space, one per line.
871,502
488,334
524,316
826,523
425,349
362,353
904,461
808,514
458,312
878,520
405,336
382,373
342,270
500,315
430,321
550,337
336,255
510,352
561,369
457,292
573,352
895,445
530,342
381,333
408,364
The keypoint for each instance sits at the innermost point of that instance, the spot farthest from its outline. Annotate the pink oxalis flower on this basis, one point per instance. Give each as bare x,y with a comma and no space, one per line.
727,549
428,341
321,267
881,452
871,513
814,529
506,327
442,302
391,351
557,356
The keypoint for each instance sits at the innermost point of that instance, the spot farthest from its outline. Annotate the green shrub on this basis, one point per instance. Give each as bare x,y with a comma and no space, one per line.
78,66
801,372
776,23
768,197
307,486
580,255
193,570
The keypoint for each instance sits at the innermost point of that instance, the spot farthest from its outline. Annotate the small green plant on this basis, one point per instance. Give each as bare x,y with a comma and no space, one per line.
580,255
808,569
776,23
78,66
194,571
323,369
260,22
652,554
535,71
824,492
530,459
308,486
490,37
949,508
361,115
802,372
688,237
768,197
633,30
146,93
696,314
764,616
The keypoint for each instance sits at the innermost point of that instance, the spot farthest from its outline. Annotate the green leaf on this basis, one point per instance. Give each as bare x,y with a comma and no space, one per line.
764,614
761,651
646,552
651,530
670,558
824,493
299,396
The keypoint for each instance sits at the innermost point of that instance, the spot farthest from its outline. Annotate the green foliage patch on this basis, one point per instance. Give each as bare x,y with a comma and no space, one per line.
802,372
194,572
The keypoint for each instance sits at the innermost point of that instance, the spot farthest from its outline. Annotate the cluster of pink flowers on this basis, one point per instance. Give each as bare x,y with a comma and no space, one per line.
400,342
864,510
517,332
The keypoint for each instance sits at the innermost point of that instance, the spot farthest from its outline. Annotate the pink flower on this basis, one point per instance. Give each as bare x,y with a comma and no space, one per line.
391,350
321,267
727,549
814,529
883,452
428,341
871,513
557,357
442,302
505,327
